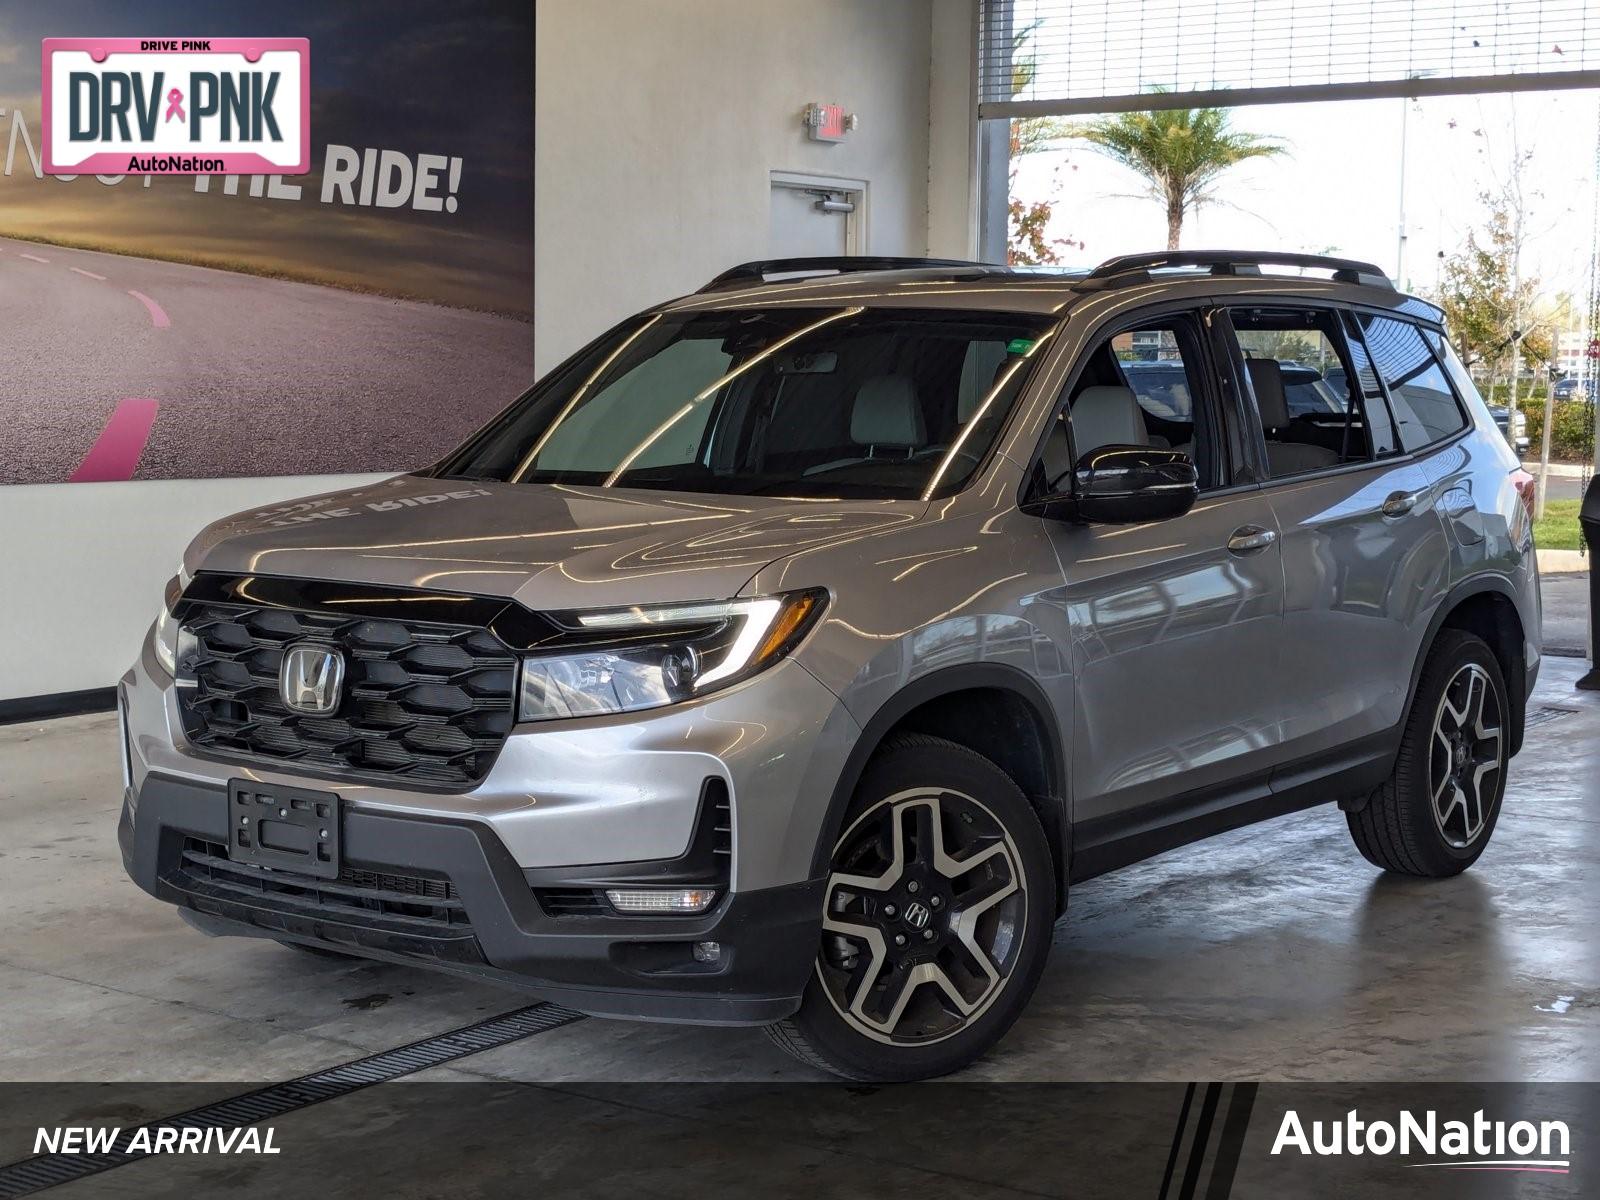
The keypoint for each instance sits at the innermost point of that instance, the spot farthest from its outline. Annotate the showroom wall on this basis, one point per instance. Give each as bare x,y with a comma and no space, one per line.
644,192
84,565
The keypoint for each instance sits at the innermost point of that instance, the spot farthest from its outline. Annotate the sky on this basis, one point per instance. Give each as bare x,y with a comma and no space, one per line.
1339,188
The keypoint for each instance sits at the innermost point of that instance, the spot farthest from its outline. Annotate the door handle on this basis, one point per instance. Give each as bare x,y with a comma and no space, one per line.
1247,539
1400,503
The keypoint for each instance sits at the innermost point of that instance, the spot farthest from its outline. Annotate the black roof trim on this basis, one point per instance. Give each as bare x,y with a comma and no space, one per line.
1236,262
757,271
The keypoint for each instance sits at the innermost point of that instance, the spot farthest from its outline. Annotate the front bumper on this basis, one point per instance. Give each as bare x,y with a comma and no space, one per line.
614,789
569,804
493,925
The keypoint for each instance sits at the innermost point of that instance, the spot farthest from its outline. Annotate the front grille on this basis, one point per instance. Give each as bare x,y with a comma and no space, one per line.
424,702
380,897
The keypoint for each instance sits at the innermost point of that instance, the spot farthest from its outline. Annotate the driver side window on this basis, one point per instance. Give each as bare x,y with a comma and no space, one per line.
1145,385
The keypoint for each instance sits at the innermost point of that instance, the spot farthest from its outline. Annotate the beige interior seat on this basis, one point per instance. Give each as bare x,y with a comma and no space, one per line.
886,418
1283,458
1100,416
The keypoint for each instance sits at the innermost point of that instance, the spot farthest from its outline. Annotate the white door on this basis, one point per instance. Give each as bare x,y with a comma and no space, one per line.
813,217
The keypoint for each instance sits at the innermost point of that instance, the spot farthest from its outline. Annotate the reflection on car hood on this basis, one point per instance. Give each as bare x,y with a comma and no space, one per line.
547,546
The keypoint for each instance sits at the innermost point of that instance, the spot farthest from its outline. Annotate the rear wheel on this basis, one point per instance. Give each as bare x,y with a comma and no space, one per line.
1436,813
936,921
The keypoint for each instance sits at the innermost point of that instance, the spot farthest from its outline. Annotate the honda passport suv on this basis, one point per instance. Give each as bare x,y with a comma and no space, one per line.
785,655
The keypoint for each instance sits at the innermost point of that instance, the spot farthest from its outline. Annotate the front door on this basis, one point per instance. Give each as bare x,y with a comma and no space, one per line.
1176,625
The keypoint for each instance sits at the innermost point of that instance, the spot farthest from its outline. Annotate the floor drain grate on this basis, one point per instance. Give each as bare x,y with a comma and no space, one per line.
1546,713
50,1170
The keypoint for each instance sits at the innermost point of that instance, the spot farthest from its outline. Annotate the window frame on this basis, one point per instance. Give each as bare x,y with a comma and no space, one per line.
1199,310
1341,346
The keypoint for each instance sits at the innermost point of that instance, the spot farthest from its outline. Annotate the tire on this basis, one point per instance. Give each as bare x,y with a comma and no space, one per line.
886,1013
1400,828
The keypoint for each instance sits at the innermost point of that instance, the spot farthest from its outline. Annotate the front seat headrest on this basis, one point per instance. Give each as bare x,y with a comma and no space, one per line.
886,413
1266,381
1106,416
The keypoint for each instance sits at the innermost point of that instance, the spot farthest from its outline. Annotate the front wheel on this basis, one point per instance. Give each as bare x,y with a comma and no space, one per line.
936,919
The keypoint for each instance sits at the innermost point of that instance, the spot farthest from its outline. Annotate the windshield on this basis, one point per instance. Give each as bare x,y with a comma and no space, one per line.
848,402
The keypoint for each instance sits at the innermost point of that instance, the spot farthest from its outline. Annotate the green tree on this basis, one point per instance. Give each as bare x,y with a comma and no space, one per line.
1484,296
1180,153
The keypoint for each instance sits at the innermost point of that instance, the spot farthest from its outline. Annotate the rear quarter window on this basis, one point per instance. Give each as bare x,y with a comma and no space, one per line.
1425,406
1460,377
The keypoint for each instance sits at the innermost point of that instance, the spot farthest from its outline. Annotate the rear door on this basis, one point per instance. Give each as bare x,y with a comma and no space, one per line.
1362,541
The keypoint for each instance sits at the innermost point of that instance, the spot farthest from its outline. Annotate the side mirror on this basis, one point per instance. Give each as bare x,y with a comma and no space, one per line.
1123,485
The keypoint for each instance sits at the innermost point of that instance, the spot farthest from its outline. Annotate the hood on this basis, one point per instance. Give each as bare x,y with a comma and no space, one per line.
547,546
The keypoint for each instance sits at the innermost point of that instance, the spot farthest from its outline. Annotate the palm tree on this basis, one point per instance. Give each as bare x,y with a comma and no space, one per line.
1180,153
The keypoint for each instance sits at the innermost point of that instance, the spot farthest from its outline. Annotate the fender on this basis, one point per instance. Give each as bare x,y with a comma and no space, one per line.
1517,689
944,682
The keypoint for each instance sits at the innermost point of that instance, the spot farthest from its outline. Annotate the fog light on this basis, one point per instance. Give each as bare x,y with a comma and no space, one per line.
708,952
661,900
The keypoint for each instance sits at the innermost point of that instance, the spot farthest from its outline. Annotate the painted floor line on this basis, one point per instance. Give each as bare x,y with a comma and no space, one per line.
158,318
90,274
35,258
116,452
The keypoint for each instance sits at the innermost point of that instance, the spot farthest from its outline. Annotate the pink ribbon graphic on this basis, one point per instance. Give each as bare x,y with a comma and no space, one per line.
175,105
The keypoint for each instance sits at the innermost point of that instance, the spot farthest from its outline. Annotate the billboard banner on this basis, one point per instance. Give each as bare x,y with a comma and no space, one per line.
357,303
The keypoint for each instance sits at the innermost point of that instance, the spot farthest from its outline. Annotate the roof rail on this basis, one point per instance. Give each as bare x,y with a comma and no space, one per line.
1240,262
755,272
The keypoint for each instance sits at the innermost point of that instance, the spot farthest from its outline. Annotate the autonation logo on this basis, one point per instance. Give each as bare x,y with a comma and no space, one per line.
1476,1145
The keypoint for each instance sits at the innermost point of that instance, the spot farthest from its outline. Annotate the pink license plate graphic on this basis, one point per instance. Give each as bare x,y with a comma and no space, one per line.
176,106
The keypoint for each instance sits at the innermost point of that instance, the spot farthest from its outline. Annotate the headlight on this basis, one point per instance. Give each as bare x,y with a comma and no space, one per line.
173,643
166,642
633,658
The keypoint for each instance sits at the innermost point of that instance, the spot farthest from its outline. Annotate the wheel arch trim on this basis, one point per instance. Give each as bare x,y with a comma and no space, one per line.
965,677
1478,585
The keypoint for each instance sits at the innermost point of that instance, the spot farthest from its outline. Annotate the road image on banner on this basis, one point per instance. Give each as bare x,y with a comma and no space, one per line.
176,106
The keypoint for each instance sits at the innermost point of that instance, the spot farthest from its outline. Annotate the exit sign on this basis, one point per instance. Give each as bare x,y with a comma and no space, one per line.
828,122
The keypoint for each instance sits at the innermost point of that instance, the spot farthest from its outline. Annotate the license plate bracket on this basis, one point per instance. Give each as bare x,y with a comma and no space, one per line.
291,829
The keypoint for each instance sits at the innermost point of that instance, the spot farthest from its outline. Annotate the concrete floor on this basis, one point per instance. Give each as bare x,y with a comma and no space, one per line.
1270,953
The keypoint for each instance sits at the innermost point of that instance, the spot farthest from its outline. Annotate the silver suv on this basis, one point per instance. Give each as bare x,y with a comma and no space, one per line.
783,656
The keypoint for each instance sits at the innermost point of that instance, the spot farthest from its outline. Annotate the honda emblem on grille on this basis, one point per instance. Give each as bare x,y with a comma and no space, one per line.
312,679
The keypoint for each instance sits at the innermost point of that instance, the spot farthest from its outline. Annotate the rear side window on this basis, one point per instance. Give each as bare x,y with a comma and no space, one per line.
1384,439
1425,408
1457,370
1313,415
